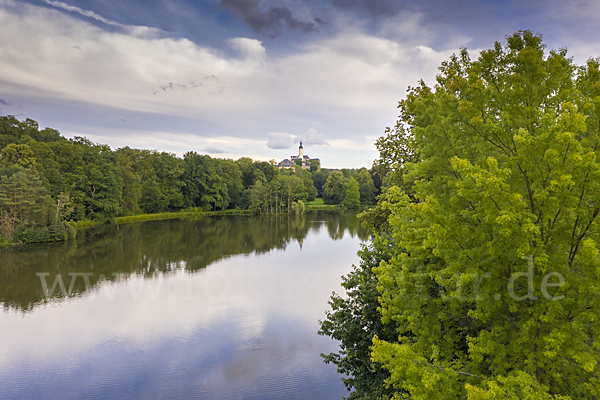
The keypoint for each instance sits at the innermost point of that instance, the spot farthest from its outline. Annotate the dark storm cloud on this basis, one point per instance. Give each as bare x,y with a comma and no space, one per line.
384,8
269,23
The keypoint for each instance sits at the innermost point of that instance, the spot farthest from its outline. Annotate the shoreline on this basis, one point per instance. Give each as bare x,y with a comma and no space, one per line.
183,214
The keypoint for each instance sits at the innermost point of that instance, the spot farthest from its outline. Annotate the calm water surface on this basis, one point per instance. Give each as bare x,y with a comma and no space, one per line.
211,308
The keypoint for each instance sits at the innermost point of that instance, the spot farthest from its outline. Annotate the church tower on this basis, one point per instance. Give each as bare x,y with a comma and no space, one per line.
301,152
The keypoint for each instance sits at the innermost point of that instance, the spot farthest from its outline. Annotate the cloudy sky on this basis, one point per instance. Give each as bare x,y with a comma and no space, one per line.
233,78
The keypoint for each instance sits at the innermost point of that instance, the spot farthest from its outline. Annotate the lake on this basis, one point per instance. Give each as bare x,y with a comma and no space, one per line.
206,308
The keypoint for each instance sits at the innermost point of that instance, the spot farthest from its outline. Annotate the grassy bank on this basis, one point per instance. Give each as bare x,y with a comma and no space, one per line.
318,204
165,215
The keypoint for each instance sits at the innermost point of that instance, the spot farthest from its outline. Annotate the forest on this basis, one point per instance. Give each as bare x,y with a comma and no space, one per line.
49,182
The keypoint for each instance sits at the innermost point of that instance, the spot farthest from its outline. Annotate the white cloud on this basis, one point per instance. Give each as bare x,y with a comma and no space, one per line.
311,138
87,13
279,140
251,48
347,85
344,82
137,31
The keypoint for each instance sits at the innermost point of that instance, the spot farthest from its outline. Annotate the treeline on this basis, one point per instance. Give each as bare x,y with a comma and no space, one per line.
47,182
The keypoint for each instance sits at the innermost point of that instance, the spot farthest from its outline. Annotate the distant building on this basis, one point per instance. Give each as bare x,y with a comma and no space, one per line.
289,163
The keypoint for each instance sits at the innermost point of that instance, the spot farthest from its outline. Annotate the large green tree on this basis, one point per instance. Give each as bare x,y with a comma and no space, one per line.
494,283
319,178
315,165
333,189
283,194
203,185
18,154
351,193
366,187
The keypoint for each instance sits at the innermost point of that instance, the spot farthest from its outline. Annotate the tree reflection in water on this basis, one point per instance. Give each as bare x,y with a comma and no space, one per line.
112,252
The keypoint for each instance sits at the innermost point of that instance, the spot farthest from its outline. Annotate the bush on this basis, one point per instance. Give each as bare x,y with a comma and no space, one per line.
32,235
298,207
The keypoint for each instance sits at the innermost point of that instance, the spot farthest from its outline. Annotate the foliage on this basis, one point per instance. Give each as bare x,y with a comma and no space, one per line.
309,186
27,213
319,178
517,386
376,219
354,321
203,187
366,187
18,154
282,195
298,207
315,165
333,190
91,182
351,193
493,283
102,184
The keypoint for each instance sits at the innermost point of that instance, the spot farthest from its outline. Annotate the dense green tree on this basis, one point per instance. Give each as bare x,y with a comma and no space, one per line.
103,191
48,168
100,182
126,159
203,186
283,194
152,199
333,189
267,169
493,287
315,165
377,181
366,187
395,152
258,176
319,178
351,193
27,213
232,178
9,130
68,174
309,186
211,183
22,132
348,173
247,169
22,197
18,154
169,171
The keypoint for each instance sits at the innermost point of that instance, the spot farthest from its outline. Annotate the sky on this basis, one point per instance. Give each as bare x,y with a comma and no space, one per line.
253,78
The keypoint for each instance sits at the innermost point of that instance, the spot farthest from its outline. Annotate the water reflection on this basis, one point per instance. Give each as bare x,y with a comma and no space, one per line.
212,308
109,253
